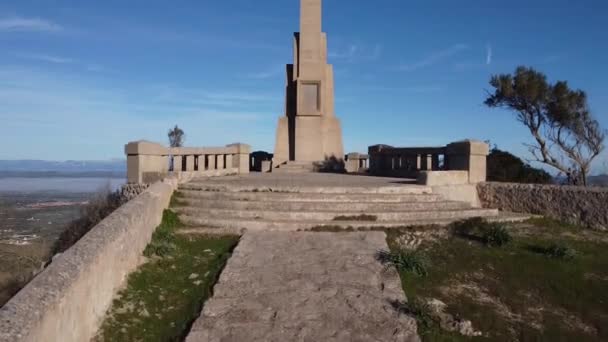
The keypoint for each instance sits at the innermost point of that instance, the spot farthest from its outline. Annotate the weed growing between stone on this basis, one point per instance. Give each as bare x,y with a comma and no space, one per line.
413,262
546,284
361,217
165,295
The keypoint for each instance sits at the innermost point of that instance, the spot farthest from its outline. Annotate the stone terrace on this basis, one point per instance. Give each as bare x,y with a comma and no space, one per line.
285,202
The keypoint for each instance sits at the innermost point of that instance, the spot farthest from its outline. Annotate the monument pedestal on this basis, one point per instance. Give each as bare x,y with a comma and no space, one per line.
308,139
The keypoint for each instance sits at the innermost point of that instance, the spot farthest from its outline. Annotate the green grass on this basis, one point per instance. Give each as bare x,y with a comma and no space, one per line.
165,295
534,296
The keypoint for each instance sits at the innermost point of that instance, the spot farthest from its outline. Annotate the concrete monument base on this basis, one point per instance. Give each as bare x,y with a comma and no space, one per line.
308,139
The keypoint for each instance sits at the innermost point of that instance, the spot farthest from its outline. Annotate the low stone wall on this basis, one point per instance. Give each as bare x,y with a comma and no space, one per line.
67,301
586,206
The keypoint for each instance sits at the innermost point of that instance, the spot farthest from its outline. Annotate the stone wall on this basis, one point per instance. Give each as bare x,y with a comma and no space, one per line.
67,301
586,206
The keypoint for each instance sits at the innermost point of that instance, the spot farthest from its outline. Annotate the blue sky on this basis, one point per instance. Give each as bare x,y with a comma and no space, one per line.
79,79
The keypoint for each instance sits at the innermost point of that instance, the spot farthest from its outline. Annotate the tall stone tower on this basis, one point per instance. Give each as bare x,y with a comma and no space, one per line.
309,131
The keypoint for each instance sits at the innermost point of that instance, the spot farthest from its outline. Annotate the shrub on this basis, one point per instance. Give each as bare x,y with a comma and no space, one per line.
496,235
414,262
560,252
99,206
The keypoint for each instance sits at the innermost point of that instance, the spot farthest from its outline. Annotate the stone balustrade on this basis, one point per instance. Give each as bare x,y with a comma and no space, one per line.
148,162
356,163
417,162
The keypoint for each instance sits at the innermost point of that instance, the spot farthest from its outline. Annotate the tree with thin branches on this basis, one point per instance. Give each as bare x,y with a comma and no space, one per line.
176,137
567,137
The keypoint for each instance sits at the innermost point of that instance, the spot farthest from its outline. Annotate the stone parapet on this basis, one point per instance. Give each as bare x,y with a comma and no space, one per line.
148,162
413,162
585,206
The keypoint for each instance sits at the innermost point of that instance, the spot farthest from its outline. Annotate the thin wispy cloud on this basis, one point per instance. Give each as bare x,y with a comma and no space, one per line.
266,74
18,24
435,58
45,58
357,53
488,54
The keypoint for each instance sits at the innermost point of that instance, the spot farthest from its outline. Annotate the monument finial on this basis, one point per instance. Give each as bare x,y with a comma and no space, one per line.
310,16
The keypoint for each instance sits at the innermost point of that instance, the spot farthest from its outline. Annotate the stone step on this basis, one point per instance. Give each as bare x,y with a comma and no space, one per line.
207,187
307,196
263,225
328,216
320,206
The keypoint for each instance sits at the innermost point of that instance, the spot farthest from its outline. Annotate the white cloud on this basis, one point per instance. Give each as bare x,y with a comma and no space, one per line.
46,58
357,53
488,54
434,58
269,73
18,24
54,115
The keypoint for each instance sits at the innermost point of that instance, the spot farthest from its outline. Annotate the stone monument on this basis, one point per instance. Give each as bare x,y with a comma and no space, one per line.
309,132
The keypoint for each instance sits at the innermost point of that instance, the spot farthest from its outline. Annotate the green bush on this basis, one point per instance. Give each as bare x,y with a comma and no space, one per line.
414,262
495,235
560,252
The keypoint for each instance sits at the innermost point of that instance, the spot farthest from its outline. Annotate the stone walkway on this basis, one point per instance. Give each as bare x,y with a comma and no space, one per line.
302,286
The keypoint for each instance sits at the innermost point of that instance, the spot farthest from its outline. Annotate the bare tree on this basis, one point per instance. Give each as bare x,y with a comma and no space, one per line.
176,137
567,136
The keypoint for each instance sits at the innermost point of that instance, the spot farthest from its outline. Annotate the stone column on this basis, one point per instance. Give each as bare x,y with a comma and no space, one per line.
177,163
468,155
146,162
189,163
219,162
212,158
229,161
240,159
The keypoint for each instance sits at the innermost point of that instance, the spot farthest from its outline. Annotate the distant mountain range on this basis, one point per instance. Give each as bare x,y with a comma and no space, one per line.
601,180
68,168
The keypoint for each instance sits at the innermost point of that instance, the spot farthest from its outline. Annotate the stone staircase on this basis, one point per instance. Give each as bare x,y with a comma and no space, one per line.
290,208
295,167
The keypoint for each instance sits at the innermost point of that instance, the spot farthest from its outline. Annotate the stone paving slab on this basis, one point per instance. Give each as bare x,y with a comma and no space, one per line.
301,286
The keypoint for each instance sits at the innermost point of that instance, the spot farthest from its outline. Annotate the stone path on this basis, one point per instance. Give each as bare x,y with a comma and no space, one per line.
302,286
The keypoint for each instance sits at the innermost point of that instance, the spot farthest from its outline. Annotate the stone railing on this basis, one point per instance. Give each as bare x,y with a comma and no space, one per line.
148,162
415,162
356,163
452,171
68,299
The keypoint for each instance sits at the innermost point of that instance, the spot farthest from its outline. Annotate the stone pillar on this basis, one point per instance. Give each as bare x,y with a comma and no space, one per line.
219,162
468,155
240,159
189,163
177,163
229,159
212,158
429,162
146,162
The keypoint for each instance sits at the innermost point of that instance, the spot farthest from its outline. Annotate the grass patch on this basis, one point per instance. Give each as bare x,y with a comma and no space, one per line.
414,262
492,234
528,290
165,295
362,217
